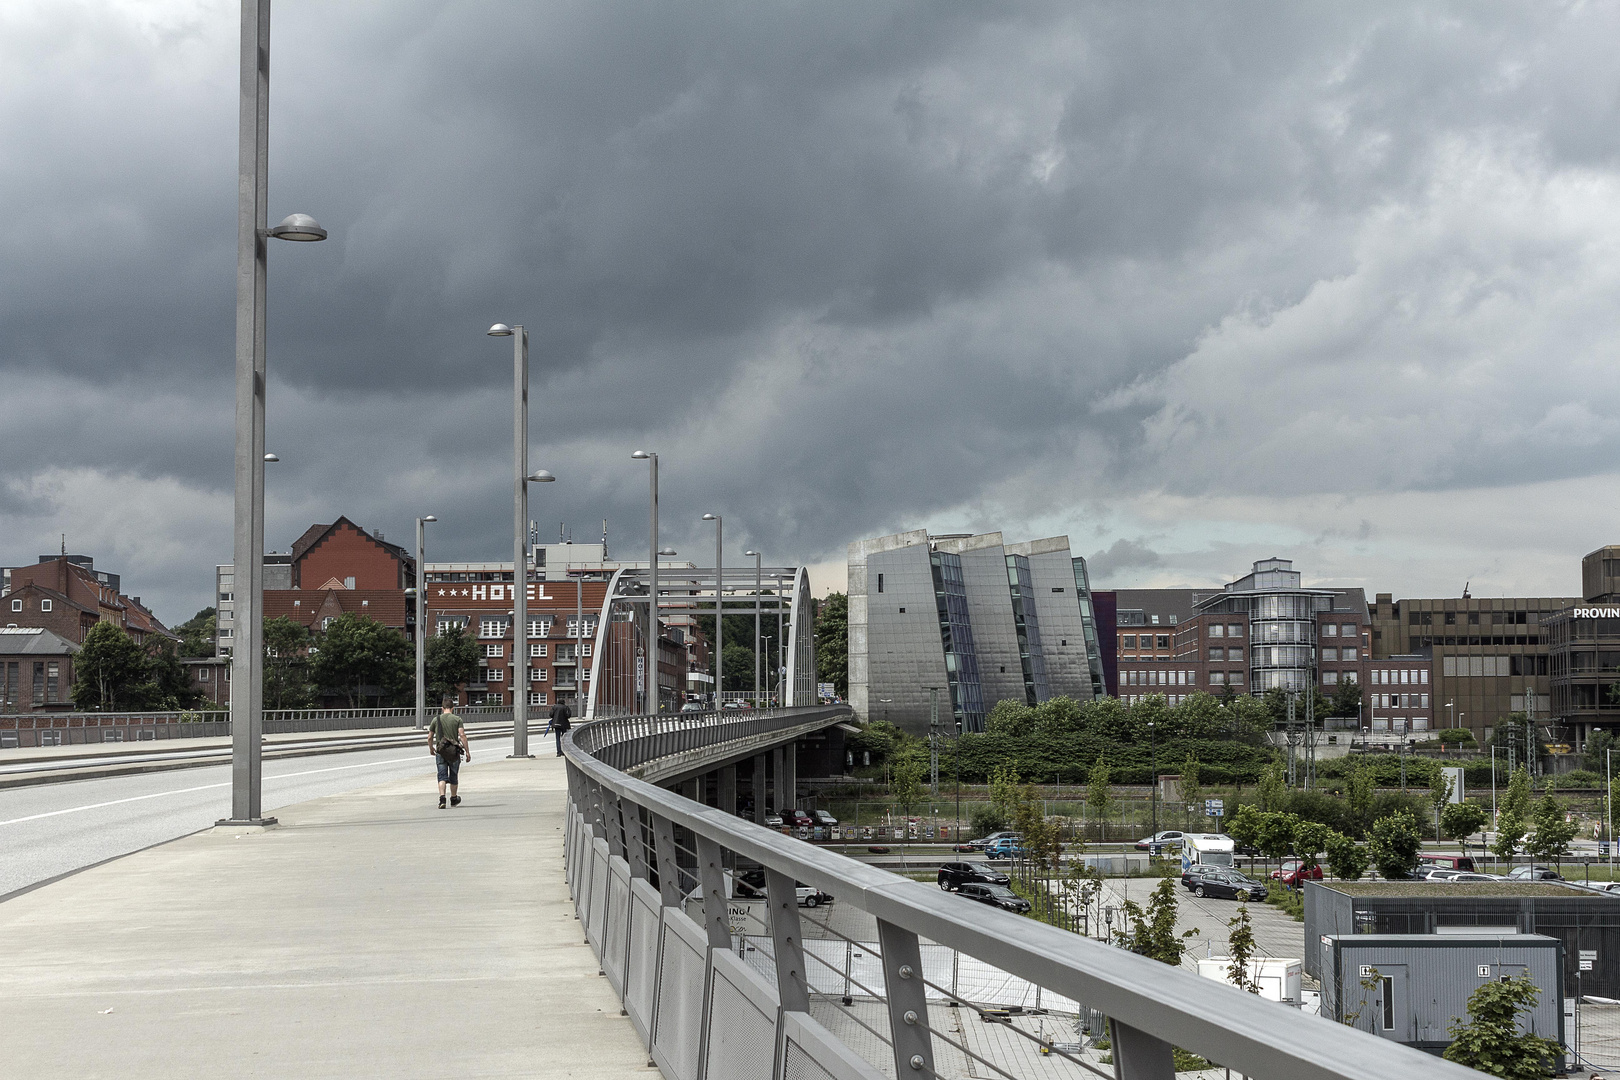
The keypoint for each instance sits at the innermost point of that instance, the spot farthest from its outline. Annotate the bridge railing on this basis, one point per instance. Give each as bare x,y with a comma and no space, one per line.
649,874
63,729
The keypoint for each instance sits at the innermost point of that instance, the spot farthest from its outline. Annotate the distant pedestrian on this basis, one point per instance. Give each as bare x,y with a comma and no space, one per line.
559,723
447,742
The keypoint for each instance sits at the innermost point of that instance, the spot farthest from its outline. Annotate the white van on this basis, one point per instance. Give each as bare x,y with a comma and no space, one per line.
1205,849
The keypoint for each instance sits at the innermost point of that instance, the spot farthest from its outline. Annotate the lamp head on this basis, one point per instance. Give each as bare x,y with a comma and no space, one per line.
641,455
430,517
755,554
298,227
271,457
540,476
668,551
710,517
500,329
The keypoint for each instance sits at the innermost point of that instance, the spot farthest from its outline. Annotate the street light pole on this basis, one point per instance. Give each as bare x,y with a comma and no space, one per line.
247,587
1153,751
421,624
719,610
520,530
650,668
757,586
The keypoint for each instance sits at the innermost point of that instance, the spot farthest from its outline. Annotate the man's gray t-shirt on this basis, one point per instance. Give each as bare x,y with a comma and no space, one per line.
446,726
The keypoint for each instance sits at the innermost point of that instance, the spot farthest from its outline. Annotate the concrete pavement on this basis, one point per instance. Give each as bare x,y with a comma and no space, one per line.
368,935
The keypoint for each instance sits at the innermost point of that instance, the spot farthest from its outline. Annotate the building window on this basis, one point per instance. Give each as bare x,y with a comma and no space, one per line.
1348,629
537,674
53,678
1330,655
1164,641
492,628
1217,630
1424,699
1330,678
1235,653
226,632
540,628
494,674
1423,676
1330,630
538,648
447,625
1347,654
16,605
494,650
44,605
1217,653
537,699
880,583
326,622
1129,640
1234,629
585,649
226,597
1155,620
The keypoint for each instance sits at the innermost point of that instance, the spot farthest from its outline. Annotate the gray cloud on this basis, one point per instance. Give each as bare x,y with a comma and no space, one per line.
1239,279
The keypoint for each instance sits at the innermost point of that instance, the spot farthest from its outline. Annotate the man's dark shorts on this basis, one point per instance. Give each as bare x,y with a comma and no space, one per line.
450,770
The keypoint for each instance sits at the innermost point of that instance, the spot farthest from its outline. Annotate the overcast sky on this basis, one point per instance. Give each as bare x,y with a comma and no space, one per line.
1195,284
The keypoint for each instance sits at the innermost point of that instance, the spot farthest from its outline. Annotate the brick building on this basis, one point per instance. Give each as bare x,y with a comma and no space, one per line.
66,595
36,670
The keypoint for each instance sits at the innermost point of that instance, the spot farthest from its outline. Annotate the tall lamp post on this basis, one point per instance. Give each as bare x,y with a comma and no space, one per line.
719,610
649,685
1153,751
520,526
757,585
252,187
421,624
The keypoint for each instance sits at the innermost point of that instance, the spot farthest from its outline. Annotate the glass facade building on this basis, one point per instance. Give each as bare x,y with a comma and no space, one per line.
1282,623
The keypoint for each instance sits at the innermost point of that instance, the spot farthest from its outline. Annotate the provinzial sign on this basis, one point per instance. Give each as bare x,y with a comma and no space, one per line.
1595,612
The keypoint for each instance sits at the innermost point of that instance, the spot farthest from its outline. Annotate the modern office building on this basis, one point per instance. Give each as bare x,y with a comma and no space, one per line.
1584,650
959,622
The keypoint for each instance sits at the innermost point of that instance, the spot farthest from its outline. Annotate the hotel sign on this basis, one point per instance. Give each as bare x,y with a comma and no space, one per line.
1595,612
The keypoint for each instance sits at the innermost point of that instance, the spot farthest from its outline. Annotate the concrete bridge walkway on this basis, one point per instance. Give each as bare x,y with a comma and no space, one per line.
370,934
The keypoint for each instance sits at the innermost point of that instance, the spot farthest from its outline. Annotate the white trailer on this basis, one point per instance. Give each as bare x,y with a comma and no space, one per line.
1205,849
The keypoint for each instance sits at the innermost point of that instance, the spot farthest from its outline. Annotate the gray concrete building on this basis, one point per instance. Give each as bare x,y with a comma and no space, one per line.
967,621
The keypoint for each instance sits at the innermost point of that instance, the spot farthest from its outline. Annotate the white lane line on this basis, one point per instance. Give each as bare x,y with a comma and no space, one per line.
203,787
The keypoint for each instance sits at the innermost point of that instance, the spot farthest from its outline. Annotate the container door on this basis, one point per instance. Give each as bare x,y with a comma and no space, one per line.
1393,1004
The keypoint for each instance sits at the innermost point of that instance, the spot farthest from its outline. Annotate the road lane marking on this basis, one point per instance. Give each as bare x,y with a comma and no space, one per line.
203,787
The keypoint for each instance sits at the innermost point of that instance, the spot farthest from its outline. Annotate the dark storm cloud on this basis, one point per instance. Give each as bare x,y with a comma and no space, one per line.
847,267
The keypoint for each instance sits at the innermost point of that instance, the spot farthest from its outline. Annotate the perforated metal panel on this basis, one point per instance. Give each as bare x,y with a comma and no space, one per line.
641,972
742,1020
678,1012
618,924
810,1052
597,912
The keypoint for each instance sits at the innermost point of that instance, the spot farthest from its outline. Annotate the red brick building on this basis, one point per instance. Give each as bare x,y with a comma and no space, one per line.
346,554
36,670
65,596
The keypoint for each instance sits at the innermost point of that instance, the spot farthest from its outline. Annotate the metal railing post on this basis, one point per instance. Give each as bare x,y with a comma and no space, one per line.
1140,1056
635,842
908,1001
712,873
791,986
669,872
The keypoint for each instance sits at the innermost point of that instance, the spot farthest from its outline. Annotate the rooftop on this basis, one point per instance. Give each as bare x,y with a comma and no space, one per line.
1457,888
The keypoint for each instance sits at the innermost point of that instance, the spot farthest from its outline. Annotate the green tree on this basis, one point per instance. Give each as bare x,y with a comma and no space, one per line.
1153,931
1310,839
111,672
286,665
1272,791
1549,840
877,740
1244,827
197,634
171,681
906,786
451,662
739,667
1192,792
832,642
360,658
1491,1040
1440,787
1461,820
1346,699
1276,834
1394,844
1004,791
1346,859
1358,794
1598,744
1241,947
1512,812
1100,796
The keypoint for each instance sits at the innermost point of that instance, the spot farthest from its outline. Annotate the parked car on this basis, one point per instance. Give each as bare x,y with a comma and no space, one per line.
750,885
730,705
694,706
796,818
995,895
1008,847
824,818
953,875
1220,881
1534,873
1461,876
1448,862
1293,873
1159,841
773,821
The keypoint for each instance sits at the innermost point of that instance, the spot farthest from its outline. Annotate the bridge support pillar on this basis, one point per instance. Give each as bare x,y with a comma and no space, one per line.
778,796
790,774
759,789
726,788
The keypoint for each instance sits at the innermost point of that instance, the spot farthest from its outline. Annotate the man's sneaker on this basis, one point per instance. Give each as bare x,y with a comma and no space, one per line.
441,802
455,800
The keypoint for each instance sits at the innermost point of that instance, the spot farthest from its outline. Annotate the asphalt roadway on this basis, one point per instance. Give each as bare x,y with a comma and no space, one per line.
50,830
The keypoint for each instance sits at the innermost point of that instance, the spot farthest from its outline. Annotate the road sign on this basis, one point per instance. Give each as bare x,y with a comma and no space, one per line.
1588,954
1214,807
1586,965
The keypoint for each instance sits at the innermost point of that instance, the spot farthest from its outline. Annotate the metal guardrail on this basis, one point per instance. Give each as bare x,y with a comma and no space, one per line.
65,729
705,1014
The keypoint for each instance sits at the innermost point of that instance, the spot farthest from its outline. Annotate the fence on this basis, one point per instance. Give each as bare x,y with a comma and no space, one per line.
73,729
636,853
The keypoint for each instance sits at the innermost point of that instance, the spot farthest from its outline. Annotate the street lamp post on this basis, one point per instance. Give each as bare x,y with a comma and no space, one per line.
520,528
247,652
719,611
1153,751
421,624
756,556
650,666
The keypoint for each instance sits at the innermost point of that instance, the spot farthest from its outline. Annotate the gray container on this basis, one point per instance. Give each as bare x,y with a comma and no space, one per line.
1411,988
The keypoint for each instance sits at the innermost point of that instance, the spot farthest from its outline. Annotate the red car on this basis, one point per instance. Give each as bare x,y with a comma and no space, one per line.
797,817
1292,873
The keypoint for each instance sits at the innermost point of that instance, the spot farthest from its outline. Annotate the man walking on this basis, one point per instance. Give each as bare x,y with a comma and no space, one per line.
559,722
447,742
